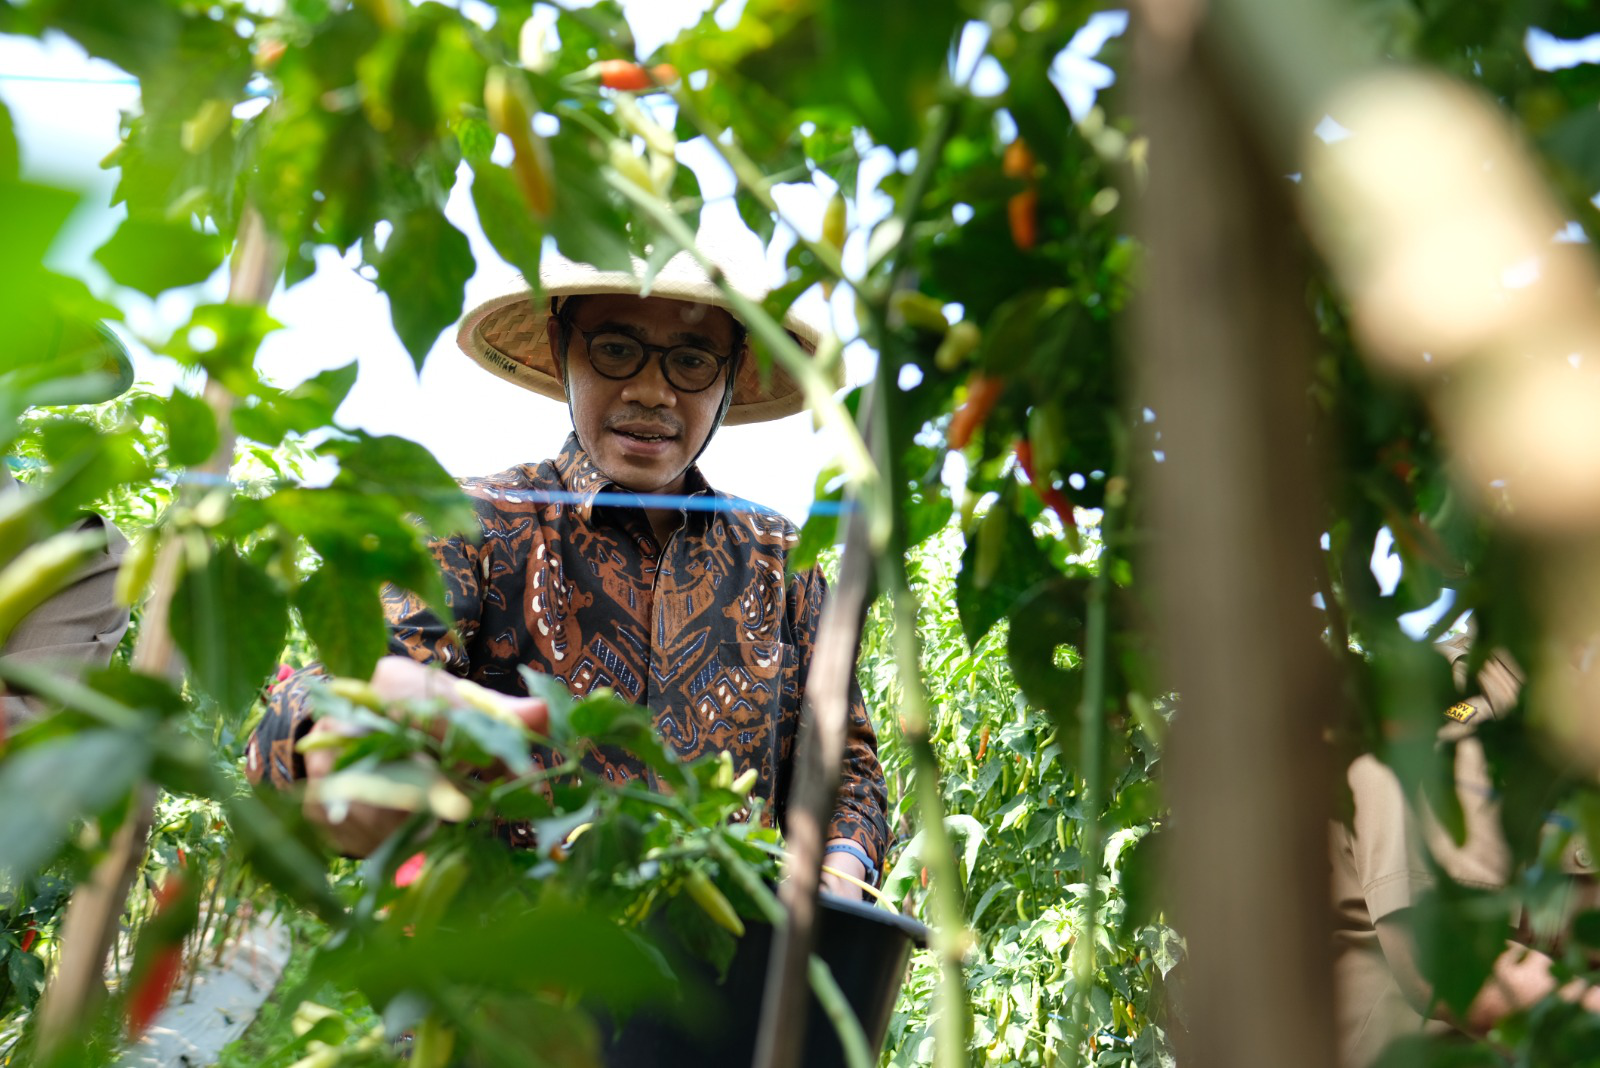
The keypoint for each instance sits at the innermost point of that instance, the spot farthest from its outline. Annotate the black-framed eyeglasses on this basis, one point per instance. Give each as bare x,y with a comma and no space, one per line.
688,368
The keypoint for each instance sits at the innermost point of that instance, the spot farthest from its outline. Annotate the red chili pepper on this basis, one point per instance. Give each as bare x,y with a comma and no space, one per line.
154,982
29,937
1052,497
151,992
407,873
982,393
622,74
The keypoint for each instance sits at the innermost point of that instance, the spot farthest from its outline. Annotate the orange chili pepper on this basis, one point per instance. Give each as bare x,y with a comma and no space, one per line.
630,76
1017,161
1023,212
982,393
983,742
1023,208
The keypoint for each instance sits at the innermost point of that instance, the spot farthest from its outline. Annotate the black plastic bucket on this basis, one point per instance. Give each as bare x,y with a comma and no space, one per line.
866,948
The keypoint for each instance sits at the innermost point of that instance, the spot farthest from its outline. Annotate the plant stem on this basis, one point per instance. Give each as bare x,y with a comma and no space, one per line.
750,176
1091,722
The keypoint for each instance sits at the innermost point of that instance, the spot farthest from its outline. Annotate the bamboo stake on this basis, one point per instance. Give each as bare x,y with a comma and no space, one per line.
821,751
91,917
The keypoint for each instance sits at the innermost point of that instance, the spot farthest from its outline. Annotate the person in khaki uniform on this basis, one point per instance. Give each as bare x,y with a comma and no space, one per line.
81,625
1379,871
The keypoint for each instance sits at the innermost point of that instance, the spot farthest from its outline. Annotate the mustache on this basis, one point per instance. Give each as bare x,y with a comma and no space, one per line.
640,416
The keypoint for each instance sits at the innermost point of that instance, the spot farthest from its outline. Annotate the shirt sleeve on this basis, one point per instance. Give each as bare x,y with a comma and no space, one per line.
414,631
860,810
78,628
1383,848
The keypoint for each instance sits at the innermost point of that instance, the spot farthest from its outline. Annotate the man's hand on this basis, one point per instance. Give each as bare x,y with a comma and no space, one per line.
845,864
396,679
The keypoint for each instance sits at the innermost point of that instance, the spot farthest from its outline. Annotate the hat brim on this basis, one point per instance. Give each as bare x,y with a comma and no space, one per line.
508,335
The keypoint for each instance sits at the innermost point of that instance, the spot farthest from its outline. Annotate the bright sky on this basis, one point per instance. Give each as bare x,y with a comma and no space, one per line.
66,111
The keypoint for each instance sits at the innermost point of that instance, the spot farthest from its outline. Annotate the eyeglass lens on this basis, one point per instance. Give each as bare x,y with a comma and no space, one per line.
620,356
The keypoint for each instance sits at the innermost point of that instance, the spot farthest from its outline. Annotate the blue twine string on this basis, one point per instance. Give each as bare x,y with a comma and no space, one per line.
648,501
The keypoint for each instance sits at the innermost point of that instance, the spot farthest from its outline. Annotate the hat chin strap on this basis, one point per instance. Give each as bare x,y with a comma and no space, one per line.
722,409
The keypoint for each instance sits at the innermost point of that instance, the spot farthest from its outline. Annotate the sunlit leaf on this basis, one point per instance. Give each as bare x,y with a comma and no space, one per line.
229,619
45,788
344,617
423,269
153,256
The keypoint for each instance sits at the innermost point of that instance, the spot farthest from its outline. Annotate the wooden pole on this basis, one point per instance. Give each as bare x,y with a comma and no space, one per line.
820,754
1223,356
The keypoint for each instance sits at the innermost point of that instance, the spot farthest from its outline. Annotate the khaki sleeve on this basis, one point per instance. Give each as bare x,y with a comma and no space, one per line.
77,629
1381,848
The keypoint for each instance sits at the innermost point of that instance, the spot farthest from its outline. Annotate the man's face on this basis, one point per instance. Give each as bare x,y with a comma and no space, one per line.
641,431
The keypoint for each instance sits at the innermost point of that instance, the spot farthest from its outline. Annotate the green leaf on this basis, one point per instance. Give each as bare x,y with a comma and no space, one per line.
223,339
46,788
309,406
343,615
1021,564
229,618
1140,876
489,738
153,255
551,946
882,62
191,429
505,219
589,224
1460,932
423,269
405,470
1043,620
10,160
267,842
821,528
365,532
27,977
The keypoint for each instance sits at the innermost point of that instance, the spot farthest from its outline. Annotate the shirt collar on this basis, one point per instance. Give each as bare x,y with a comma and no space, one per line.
580,476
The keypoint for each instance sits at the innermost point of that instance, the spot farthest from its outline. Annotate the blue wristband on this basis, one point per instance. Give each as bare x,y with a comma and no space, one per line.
860,854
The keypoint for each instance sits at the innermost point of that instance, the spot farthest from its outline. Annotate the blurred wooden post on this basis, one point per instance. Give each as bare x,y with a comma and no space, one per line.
97,904
1224,353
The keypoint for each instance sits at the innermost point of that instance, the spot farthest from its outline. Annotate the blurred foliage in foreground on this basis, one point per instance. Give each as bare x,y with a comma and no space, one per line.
993,292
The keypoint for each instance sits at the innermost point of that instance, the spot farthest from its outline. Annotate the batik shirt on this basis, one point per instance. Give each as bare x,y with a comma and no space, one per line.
705,631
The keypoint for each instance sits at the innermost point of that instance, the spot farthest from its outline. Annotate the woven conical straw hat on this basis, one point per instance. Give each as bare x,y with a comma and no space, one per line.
507,336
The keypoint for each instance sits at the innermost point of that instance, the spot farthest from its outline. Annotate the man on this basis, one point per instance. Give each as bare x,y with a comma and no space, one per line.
1379,872
615,564
81,625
